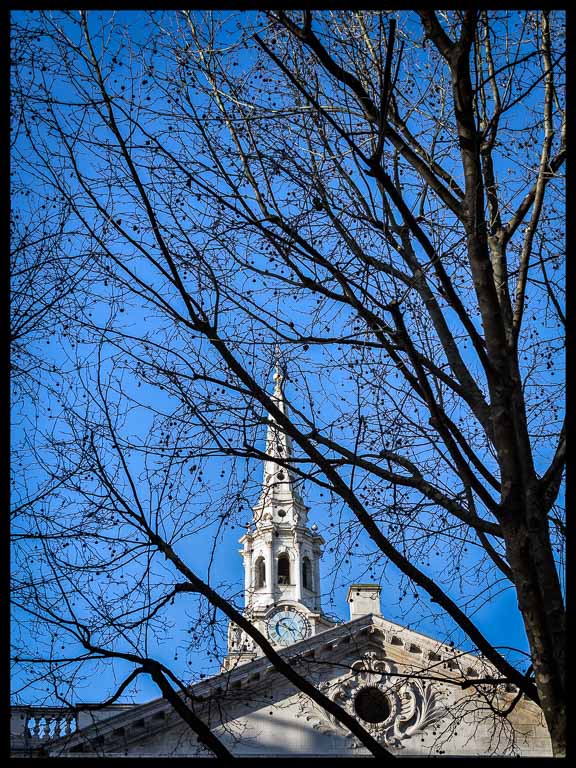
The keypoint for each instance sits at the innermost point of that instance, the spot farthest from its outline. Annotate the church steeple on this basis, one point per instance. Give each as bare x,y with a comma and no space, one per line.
281,553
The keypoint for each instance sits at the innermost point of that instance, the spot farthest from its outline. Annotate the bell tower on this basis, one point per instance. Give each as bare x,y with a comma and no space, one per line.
281,553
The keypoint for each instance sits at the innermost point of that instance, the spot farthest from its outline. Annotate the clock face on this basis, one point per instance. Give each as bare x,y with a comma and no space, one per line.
287,626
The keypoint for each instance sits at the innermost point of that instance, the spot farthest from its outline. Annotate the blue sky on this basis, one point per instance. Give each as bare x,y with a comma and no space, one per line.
310,385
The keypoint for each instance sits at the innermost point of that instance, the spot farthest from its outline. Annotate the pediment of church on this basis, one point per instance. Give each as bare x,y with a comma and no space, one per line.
404,687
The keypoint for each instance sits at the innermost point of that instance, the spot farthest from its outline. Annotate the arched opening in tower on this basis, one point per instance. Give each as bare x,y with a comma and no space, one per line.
260,568
284,569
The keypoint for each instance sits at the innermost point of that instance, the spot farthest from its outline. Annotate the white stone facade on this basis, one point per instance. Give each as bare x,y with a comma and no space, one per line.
256,712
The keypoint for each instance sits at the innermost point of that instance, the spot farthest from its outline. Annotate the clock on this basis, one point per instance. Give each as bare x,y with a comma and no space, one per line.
286,626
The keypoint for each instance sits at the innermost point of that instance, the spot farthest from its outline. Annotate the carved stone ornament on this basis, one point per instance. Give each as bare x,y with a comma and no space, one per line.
401,706
238,640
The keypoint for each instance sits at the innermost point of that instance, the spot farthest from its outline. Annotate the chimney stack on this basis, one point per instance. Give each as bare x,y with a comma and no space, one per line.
364,599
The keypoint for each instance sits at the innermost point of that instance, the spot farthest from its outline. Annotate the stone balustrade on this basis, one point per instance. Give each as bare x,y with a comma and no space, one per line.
33,725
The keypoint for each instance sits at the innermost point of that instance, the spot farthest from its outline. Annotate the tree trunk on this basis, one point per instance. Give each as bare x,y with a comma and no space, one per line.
540,602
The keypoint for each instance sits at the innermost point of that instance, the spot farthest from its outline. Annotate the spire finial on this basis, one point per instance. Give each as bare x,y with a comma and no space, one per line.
278,372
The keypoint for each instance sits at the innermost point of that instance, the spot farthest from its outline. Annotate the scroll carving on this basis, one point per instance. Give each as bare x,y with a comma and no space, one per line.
414,704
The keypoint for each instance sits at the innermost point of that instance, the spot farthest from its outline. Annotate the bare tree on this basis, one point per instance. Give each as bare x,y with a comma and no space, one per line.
380,194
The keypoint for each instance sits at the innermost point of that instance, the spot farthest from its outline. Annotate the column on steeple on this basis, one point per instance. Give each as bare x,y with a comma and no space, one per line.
298,569
248,568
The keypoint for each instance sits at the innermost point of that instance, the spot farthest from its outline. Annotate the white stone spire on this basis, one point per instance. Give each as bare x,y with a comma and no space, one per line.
280,500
